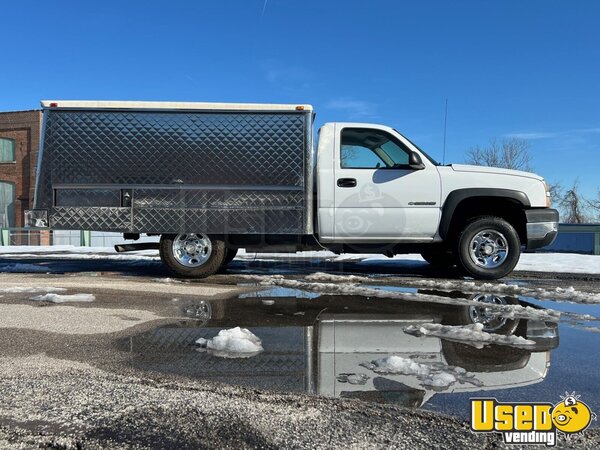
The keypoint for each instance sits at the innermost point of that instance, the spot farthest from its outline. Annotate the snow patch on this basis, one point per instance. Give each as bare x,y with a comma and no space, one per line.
232,343
353,378
166,280
530,262
581,317
508,311
468,334
588,328
568,294
52,249
435,375
64,298
321,276
69,252
559,262
29,290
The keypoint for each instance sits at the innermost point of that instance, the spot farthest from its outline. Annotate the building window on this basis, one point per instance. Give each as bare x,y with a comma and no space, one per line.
7,150
7,204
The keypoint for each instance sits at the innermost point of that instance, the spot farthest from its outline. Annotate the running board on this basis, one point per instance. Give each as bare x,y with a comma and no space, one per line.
121,248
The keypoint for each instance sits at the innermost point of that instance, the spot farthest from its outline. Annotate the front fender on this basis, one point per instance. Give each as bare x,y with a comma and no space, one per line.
457,196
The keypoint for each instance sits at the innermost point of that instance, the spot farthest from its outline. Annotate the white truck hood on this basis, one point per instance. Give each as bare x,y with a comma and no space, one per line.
495,170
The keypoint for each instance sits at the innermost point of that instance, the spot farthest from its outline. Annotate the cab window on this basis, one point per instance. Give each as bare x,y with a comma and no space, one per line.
363,148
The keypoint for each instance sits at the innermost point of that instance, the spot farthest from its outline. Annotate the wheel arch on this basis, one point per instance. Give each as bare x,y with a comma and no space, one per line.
462,204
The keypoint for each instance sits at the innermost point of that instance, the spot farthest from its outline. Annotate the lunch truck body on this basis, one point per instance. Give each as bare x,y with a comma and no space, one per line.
211,178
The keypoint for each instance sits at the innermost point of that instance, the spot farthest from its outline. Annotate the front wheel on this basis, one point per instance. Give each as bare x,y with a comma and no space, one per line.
484,313
488,248
192,255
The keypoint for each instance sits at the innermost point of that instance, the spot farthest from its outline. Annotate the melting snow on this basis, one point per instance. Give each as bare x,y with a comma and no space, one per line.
353,378
559,293
72,252
509,311
469,334
233,343
435,375
531,262
321,276
559,262
534,262
64,298
29,290
166,280
569,294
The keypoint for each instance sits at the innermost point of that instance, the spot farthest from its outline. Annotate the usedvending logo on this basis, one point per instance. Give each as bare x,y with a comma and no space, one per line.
531,423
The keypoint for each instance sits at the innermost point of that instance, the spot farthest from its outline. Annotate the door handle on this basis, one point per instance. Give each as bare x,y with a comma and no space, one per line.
346,182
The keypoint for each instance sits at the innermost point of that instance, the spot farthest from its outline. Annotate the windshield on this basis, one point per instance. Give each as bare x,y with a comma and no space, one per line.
431,160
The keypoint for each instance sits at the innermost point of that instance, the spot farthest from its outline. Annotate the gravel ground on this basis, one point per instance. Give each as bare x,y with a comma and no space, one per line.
61,404
63,387
64,403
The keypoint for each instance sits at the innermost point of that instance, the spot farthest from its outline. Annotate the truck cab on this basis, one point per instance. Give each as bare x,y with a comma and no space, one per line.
375,187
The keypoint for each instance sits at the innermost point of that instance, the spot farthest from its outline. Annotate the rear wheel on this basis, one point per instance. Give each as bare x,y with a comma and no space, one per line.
488,248
192,255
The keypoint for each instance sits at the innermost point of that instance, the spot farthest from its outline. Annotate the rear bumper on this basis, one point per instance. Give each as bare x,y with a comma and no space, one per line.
542,227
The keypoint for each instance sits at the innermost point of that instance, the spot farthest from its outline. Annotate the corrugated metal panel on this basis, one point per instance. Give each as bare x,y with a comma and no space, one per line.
188,171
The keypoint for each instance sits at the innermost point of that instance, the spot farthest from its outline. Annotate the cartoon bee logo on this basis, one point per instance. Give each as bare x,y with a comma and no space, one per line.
571,415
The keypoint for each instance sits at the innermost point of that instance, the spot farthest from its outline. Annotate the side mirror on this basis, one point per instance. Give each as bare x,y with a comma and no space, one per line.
415,162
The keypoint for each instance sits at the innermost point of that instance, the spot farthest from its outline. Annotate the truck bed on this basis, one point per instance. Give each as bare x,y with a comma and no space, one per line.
155,168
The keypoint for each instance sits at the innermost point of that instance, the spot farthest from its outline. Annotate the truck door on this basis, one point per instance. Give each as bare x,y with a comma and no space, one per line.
377,196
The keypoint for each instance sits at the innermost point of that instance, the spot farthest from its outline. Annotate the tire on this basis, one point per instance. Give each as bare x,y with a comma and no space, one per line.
229,255
493,322
490,359
439,257
191,255
488,248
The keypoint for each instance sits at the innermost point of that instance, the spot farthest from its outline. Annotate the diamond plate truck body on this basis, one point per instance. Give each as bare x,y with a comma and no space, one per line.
171,170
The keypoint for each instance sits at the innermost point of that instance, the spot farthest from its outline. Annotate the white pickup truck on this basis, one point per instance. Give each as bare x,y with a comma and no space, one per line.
211,178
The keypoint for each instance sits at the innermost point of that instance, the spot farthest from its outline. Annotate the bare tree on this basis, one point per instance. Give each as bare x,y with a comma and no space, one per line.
557,191
509,153
572,205
594,205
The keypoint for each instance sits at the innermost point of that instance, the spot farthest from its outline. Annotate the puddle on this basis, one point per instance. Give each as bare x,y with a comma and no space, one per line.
339,345
280,292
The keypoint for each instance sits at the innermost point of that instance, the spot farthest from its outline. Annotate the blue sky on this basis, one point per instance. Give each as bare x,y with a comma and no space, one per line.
508,68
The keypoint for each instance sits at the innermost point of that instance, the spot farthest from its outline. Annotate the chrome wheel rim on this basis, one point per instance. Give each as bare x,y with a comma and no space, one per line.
488,249
485,315
192,250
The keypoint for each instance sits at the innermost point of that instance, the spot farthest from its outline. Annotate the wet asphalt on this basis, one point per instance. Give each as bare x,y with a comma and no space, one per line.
124,371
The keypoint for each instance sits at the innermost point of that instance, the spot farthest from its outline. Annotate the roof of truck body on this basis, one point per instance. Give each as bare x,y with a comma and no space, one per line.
103,104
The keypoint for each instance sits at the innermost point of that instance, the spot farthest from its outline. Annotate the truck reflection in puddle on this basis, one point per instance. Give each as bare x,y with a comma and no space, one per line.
327,345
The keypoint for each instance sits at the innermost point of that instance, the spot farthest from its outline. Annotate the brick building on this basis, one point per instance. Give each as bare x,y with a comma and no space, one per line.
19,143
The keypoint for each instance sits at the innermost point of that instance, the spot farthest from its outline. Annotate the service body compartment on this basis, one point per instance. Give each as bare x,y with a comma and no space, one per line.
175,168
